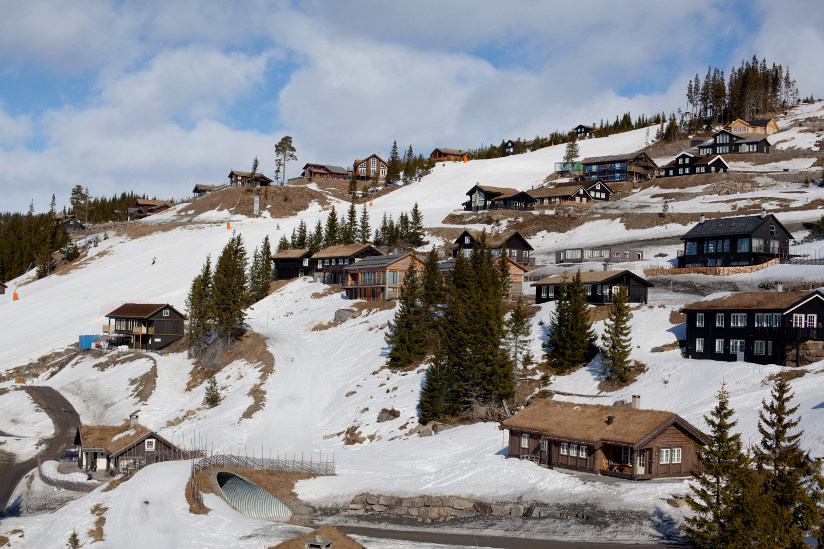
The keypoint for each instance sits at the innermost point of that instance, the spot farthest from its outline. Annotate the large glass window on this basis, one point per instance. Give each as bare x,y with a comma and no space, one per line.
692,248
743,245
563,448
758,244
738,320
676,455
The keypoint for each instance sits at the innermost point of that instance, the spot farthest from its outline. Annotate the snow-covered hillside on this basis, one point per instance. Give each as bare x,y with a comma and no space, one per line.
328,384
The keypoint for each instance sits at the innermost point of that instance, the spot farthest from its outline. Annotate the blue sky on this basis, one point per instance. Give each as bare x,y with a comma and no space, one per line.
153,97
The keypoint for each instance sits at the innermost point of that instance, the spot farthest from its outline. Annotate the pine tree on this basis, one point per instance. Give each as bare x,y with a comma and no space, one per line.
73,542
293,239
260,272
407,333
285,152
571,152
350,231
353,185
792,484
284,244
212,396
229,289
409,163
519,329
331,234
300,241
431,289
570,339
617,339
364,231
724,511
198,308
433,404
393,170
315,240
416,226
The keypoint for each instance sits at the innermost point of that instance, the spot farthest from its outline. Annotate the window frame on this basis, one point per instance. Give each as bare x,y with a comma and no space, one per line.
719,320
676,456
573,450
664,456
758,347
563,451
150,444
699,344
525,440
719,346
736,320
699,320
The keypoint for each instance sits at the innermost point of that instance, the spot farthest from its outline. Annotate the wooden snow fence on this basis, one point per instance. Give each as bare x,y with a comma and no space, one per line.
717,271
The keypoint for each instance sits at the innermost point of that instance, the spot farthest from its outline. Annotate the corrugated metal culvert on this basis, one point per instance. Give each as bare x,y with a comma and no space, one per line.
251,500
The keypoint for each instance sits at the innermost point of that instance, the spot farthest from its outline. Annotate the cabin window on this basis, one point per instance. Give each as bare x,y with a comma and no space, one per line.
699,320
392,277
719,345
587,289
811,321
743,245
544,292
664,456
758,244
680,171
676,455
573,450
798,321
150,445
543,445
722,138
563,448
758,347
466,240
774,246
719,320
582,452
773,230
306,262
723,149
738,320
525,441
374,162
769,348
691,248
736,346
165,312
711,246
699,345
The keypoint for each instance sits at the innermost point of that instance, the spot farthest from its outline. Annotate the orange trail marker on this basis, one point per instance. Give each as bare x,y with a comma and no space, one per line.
14,296
370,203
228,225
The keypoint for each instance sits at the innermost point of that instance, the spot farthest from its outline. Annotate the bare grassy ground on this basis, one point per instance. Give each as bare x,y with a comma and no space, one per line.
96,533
278,201
786,375
256,348
358,308
339,540
612,385
144,386
138,230
677,317
339,188
39,366
250,347
330,289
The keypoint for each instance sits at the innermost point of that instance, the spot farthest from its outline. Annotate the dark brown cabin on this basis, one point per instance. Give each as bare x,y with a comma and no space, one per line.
727,142
600,286
202,190
369,167
583,131
144,208
516,246
324,171
574,192
625,442
762,327
691,164
442,153
2,288
245,179
120,448
330,262
290,264
147,326
488,198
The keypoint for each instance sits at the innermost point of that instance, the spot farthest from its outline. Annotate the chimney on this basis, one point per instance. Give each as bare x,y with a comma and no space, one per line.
610,420
133,420
701,219
779,287
636,402
763,212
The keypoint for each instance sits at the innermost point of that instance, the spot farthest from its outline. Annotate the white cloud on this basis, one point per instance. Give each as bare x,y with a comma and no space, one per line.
13,129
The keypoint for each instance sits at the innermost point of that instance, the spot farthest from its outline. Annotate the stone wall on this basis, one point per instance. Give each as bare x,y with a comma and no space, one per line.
809,352
441,509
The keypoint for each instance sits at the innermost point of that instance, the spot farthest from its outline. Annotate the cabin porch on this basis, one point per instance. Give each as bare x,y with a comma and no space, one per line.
624,462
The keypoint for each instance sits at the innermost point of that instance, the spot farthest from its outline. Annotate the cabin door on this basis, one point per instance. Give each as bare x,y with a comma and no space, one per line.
641,462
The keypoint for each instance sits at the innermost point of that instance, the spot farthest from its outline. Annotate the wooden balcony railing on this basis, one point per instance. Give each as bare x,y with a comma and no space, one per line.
786,334
142,330
107,328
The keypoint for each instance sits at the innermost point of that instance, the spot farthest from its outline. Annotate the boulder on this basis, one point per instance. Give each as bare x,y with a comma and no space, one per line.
371,500
516,510
483,508
432,512
413,511
501,510
388,415
342,315
379,508
462,504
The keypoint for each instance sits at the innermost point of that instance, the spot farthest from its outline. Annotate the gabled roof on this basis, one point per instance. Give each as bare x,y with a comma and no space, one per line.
586,184
355,164
204,187
143,202
591,277
494,240
3,285
591,128
377,261
258,176
291,254
328,167
761,301
557,191
700,160
116,439
499,192
759,122
588,422
344,250
731,226
456,152
140,310
612,158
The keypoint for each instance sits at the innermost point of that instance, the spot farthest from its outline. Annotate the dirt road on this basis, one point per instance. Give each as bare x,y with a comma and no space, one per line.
66,422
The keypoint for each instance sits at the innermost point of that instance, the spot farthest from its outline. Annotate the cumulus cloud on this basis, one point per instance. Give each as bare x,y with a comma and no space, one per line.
13,129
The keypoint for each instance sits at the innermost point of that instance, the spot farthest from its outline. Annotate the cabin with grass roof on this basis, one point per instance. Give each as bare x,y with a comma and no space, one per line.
121,448
620,441
601,287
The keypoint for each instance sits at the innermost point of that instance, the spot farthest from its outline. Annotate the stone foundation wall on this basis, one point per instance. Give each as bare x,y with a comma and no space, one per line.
810,351
442,509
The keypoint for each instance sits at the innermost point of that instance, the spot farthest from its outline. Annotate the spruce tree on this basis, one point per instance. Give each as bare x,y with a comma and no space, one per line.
409,163
229,289
198,308
519,329
403,229
212,396
431,289
293,240
300,241
331,234
393,170
571,152
792,486
617,339
260,273
583,348
570,339
364,231
416,226
350,231
284,244
315,241
432,405
725,487
407,333
353,185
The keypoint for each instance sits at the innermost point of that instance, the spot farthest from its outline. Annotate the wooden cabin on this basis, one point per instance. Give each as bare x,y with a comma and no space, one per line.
582,131
574,192
691,164
487,198
146,326
731,241
619,441
516,275
324,171
370,166
604,254
330,262
762,327
634,167
244,179
144,208
202,190
290,264
600,286
442,153
378,278
726,142
516,246
766,126
120,448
